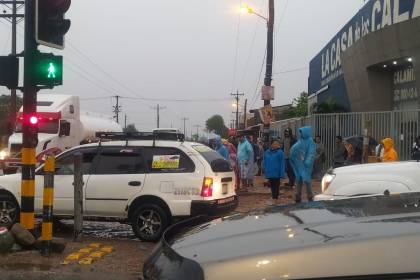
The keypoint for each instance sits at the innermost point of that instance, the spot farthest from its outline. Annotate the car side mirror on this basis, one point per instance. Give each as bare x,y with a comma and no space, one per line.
64,128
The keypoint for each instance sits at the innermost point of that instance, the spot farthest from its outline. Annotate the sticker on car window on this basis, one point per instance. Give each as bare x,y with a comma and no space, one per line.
166,162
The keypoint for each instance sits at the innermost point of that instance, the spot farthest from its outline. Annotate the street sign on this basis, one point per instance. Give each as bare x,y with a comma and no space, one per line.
266,114
267,93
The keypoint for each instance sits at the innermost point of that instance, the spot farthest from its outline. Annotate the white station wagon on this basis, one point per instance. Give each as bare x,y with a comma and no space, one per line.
147,183
370,179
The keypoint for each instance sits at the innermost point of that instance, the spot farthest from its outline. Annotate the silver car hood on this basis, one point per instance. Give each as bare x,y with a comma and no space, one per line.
277,230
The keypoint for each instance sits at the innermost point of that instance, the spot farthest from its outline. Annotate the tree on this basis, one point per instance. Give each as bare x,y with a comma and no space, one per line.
299,107
328,107
130,128
217,124
5,128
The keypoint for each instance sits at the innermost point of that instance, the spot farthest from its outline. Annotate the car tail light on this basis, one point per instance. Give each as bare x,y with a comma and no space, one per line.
326,181
207,188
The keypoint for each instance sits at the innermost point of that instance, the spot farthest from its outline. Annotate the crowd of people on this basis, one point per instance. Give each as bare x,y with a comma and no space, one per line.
300,159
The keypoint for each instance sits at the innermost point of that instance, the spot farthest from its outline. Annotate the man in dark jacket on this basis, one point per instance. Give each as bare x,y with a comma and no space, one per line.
288,142
340,152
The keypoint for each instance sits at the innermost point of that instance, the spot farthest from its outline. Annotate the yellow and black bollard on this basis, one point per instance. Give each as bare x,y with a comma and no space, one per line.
47,216
28,188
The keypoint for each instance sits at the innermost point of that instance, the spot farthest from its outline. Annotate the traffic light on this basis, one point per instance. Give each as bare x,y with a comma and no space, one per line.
9,71
50,24
48,70
31,122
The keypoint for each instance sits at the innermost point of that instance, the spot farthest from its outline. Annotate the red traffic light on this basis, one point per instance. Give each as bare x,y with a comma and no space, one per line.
33,120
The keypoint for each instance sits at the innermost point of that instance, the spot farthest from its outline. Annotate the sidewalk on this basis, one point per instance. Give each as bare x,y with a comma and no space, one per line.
258,196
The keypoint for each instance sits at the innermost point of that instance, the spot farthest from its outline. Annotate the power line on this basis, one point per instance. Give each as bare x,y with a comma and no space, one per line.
235,62
236,95
255,97
180,100
184,119
257,22
291,71
117,108
158,108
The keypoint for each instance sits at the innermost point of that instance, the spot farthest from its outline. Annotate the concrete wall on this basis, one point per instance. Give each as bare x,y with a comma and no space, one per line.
369,87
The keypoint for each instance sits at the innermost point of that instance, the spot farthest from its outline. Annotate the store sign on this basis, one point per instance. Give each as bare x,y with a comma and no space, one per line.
375,15
405,86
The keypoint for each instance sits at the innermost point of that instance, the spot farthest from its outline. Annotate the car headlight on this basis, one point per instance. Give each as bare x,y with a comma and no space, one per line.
326,181
4,154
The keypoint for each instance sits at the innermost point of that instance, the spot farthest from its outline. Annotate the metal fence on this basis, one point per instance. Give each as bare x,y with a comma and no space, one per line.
402,126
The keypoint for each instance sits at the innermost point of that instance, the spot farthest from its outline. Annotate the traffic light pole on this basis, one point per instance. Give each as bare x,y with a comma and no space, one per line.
269,66
12,113
29,109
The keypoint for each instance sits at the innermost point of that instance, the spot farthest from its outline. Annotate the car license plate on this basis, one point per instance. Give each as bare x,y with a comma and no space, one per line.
226,200
225,188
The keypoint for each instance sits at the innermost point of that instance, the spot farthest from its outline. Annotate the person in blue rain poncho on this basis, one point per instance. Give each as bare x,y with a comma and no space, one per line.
221,149
302,156
246,162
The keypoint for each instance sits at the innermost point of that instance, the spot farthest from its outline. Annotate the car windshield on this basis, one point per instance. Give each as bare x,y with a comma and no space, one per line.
216,161
48,127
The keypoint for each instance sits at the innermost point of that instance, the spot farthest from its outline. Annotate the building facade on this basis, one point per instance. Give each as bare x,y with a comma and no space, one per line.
373,62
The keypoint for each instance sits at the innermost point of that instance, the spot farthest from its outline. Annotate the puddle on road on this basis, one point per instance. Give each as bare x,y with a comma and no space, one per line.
102,229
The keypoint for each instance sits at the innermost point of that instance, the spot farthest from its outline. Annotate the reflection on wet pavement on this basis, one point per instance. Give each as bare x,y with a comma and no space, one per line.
112,230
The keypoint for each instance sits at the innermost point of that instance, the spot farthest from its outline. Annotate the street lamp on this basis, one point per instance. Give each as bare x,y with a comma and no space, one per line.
269,63
245,9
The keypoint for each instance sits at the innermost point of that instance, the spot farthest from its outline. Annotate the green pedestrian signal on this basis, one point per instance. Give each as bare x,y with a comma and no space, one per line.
51,71
48,70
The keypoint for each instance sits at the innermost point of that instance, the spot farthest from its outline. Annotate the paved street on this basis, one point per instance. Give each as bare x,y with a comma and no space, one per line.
125,262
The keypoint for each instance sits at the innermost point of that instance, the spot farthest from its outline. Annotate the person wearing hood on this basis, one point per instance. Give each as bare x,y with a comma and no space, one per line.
221,149
302,156
246,162
274,167
389,152
288,142
233,160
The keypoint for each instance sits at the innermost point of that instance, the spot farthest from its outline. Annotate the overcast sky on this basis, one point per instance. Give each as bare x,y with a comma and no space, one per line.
187,49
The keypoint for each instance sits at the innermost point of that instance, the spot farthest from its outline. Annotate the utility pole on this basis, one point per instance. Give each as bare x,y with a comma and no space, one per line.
117,108
158,108
184,120
13,18
237,108
246,103
125,122
269,65
12,112
197,126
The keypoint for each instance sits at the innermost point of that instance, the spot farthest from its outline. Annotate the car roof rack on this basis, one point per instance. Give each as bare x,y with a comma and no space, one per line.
126,136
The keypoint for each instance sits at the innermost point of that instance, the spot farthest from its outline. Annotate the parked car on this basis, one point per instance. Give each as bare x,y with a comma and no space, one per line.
370,179
148,183
363,238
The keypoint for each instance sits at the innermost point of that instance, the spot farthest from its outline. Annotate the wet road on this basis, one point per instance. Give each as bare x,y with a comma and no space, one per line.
112,230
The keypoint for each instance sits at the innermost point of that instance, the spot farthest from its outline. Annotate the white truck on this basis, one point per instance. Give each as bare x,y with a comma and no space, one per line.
61,125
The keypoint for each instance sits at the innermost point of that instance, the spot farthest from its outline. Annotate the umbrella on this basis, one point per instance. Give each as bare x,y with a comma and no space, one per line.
357,142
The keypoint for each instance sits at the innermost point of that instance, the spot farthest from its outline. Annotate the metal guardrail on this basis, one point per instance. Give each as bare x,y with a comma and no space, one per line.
402,126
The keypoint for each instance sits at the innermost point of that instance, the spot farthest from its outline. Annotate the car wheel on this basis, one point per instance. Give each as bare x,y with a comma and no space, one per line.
9,211
149,221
